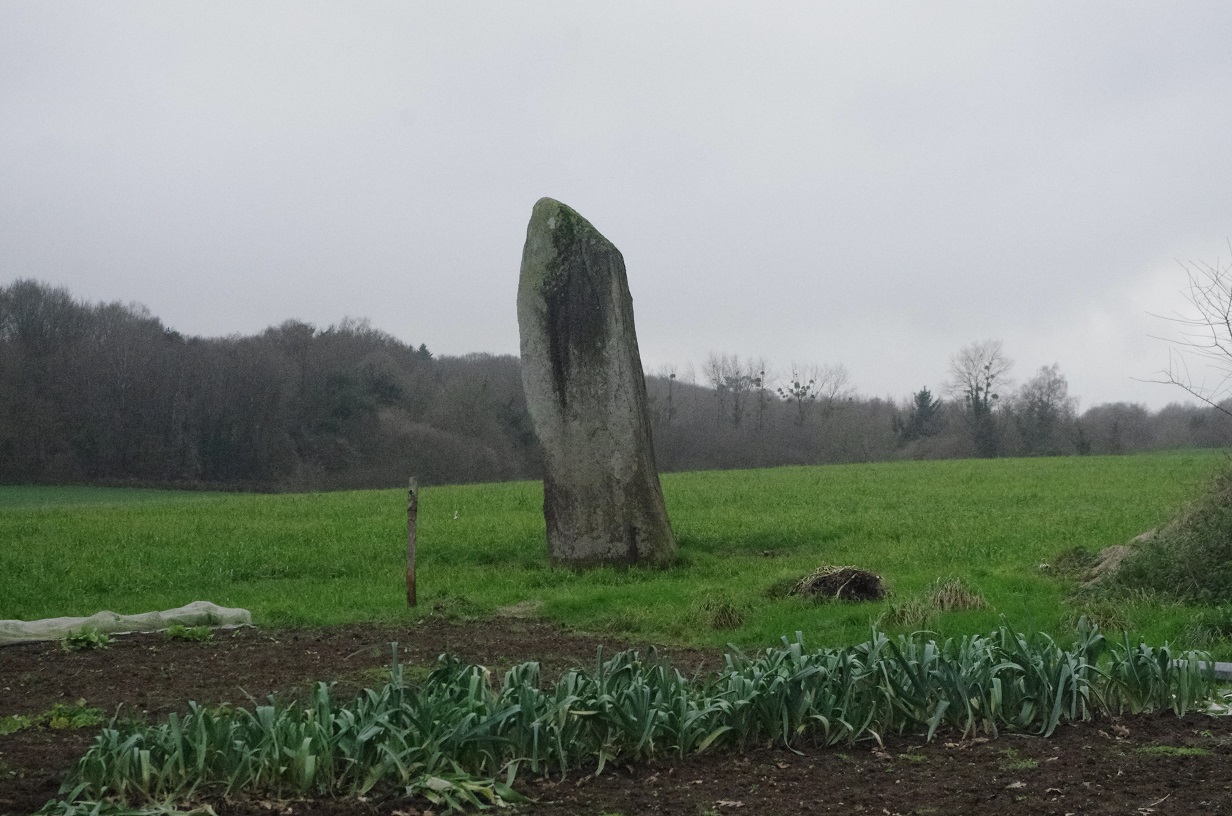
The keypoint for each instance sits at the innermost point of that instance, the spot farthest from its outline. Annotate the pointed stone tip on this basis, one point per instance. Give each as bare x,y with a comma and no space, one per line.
549,211
546,208
550,216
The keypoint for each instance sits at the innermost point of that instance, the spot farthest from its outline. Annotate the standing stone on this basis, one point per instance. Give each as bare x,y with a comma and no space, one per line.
587,396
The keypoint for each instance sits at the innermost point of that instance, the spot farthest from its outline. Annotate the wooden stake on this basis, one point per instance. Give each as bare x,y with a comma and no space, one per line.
412,513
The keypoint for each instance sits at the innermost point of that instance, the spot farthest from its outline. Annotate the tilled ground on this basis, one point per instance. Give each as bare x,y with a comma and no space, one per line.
1141,765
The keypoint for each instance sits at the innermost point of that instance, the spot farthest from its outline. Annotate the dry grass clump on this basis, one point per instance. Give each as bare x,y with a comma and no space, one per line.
945,595
912,613
949,594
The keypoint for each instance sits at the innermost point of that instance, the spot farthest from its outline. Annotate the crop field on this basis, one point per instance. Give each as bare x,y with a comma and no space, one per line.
745,537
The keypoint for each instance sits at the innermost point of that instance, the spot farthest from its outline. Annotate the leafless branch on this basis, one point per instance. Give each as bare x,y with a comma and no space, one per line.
1204,334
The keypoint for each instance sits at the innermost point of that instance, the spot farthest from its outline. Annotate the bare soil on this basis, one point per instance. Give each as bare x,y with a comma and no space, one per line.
1139,765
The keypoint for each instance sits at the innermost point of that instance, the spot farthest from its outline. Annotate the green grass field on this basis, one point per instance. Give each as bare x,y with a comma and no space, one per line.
337,557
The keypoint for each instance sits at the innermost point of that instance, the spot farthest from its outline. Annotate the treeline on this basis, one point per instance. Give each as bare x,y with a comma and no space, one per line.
734,414
105,393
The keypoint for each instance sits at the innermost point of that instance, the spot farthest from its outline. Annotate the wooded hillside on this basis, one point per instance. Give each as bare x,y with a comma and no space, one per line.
105,393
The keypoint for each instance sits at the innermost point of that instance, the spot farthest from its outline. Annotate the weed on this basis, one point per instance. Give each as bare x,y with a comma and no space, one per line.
1012,761
61,716
376,676
85,640
1172,750
73,715
196,634
456,607
14,723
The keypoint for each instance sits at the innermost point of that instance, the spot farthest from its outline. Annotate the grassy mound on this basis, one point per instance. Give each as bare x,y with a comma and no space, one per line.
1190,558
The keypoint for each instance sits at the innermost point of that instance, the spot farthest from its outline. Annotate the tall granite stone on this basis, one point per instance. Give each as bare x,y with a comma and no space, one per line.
582,373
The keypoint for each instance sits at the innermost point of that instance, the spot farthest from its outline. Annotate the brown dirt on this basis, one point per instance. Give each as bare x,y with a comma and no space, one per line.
1109,767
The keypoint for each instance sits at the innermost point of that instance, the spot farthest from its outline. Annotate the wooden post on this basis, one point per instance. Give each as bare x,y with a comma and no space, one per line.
412,513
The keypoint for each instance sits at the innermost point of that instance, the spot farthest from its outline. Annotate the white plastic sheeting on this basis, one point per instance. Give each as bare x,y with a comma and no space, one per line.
197,613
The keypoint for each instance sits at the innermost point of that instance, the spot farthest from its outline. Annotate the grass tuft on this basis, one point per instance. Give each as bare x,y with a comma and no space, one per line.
911,613
1108,615
720,614
1210,627
952,594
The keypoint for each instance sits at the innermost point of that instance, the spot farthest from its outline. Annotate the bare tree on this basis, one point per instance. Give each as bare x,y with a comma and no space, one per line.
1205,335
830,385
801,390
717,370
978,372
739,382
834,386
732,383
669,373
760,378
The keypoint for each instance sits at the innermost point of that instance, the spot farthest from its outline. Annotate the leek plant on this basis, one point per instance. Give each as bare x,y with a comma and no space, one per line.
461,737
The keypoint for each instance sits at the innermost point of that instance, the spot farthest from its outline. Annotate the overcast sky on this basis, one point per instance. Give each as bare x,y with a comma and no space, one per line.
868,184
